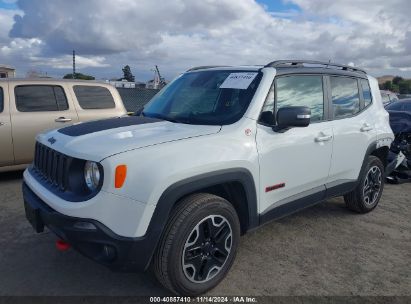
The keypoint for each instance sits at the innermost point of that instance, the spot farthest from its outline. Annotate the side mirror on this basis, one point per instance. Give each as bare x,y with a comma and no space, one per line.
289,117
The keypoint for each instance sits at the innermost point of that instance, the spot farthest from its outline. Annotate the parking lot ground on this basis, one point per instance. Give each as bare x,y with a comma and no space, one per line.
323,250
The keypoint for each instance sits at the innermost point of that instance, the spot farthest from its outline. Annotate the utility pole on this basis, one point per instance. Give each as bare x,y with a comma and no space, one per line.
74,64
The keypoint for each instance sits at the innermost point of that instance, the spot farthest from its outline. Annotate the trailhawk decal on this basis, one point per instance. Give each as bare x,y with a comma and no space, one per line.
274,187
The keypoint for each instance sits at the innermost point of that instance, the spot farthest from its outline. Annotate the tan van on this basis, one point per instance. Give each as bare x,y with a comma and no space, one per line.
28,107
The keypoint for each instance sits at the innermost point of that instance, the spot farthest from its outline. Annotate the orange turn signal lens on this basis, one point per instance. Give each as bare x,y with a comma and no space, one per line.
121,173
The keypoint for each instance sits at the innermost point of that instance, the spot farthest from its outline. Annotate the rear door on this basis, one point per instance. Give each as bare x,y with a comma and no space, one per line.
354,127
6,143
96,101
36,108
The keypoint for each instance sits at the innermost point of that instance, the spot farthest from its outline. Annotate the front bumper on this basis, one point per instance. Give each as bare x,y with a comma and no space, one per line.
90,237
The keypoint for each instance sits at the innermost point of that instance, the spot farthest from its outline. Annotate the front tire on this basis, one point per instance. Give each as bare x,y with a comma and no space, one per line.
198,246
366,196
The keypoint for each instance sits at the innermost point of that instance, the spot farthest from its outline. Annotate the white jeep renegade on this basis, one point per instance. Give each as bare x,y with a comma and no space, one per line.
219,151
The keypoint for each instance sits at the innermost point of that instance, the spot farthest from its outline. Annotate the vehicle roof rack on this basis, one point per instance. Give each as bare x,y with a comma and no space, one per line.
300,63
206,67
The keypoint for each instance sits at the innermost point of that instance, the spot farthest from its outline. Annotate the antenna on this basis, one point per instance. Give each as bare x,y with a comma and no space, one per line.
329,62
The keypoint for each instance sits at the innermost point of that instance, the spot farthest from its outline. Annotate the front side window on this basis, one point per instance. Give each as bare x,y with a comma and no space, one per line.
366,92
205,97
295,90
40,98
94,97
345,96
1,100
301,90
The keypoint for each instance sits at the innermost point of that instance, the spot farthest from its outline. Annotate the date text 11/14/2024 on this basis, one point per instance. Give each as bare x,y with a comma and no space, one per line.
204,299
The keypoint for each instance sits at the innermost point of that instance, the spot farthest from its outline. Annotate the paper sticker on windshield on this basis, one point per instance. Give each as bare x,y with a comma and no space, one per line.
238,81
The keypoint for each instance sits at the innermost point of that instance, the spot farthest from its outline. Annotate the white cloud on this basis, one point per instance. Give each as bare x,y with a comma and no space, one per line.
65,62
108,34
6,22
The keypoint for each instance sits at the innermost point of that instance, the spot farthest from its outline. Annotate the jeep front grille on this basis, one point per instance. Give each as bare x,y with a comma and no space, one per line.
51,166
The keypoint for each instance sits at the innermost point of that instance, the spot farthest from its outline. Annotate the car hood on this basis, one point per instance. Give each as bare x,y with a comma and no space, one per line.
102,138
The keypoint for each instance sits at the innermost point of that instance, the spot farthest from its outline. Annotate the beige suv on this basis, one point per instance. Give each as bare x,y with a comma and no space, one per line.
28,107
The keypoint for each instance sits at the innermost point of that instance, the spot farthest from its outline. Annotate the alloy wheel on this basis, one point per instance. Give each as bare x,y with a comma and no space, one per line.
207,249
372,186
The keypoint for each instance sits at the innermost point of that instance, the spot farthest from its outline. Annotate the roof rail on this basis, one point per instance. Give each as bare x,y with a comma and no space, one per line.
299,63
206,67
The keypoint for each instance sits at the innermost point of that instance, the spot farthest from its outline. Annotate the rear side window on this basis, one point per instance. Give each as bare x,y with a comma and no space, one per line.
40,98
301,90
94,97
1,100
366,92
345,97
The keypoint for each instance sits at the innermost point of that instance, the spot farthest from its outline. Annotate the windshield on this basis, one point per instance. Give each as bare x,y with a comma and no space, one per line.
206,97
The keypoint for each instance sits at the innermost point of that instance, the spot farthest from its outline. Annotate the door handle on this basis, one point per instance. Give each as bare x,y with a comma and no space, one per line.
1,123
366,127
62,119
323,138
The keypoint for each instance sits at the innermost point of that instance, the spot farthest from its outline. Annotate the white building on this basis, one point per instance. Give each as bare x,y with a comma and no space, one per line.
7,71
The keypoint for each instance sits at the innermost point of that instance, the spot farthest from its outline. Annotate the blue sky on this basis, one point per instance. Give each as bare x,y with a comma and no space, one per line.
7,4
277,5
271,5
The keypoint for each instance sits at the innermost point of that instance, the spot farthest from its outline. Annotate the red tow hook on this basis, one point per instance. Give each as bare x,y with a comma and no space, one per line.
62,245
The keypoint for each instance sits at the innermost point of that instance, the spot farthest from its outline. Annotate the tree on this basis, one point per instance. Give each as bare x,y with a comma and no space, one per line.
387,85
397,79
127,75
78,76
404,87
397,85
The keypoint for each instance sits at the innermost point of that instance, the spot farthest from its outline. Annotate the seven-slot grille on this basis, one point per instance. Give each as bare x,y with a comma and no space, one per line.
51,166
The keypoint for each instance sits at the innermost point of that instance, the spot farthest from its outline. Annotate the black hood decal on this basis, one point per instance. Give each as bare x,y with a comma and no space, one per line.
105,124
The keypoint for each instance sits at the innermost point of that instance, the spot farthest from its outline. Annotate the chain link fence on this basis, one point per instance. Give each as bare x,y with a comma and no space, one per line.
134,99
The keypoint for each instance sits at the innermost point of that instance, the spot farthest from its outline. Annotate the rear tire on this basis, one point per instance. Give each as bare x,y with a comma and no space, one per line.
198,246
365,197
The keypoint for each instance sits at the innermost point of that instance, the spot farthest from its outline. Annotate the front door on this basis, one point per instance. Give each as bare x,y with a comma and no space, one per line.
295,163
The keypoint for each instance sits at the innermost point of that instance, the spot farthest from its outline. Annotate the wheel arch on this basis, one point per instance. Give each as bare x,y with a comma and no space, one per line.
236,185
376,150
381,153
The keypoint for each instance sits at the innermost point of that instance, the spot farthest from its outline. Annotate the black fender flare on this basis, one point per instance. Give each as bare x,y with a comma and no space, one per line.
371,148
184,187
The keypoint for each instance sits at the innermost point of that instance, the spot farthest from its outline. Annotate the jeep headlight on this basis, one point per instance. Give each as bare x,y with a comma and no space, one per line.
92,175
